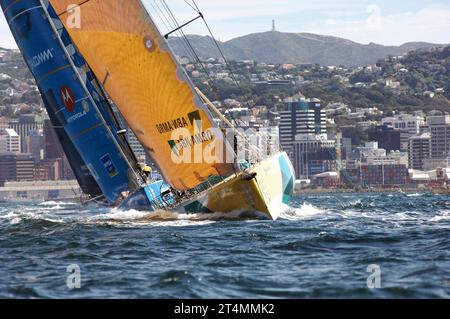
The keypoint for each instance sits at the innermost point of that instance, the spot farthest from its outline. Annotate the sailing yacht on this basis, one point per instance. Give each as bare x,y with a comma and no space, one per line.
117,53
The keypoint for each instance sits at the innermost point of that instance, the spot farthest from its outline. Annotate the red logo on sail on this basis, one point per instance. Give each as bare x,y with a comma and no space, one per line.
68,98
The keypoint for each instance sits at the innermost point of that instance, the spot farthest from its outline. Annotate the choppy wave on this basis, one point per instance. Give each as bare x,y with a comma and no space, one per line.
305,211
321,243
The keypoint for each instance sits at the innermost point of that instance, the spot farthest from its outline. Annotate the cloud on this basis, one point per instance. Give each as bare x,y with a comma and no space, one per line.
6,38
427,24
358,20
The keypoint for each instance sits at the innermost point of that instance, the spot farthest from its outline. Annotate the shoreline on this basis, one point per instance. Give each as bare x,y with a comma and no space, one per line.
360,191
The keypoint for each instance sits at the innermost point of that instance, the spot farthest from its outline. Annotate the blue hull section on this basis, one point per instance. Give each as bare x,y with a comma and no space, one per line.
157,195
66,100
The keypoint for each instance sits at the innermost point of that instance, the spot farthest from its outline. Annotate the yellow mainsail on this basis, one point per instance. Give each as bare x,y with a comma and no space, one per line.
129,56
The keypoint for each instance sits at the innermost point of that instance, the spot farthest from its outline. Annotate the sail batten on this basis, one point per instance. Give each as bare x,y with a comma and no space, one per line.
129,56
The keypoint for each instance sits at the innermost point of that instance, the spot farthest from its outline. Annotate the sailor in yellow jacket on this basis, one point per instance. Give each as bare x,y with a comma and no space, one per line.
148,173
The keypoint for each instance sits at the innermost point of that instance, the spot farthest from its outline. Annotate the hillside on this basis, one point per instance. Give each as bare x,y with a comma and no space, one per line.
17,87
298,48
417,81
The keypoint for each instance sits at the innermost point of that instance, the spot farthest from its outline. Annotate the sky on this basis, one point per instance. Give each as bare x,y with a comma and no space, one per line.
388,22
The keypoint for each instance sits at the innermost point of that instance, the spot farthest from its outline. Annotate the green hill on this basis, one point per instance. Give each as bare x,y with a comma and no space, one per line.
278,48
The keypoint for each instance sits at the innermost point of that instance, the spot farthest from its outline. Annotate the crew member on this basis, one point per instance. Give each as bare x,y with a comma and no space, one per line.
148,173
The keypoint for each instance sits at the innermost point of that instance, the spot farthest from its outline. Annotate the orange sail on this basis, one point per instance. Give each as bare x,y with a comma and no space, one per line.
129,56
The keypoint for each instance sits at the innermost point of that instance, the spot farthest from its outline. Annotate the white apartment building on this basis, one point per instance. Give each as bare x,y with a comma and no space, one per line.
405,122
9,141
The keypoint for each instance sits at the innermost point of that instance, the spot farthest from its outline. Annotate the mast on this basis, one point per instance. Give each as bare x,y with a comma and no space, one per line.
127,53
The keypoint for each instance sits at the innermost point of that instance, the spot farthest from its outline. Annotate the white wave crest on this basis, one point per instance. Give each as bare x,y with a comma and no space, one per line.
305,211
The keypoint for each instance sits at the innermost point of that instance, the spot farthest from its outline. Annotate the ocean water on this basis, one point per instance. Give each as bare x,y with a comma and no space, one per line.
321,247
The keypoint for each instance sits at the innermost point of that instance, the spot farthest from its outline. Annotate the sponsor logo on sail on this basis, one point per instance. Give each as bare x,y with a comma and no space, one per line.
172,125
109,165
41,58
178,123
68,98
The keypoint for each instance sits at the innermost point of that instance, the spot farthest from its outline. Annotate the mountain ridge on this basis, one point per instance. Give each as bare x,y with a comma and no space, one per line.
299,48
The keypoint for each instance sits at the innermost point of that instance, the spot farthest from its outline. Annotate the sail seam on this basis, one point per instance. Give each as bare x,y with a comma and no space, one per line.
24,11
67,10
53,72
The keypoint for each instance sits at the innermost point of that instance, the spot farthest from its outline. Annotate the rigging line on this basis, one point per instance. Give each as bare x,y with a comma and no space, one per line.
72,7
221,53
109,108
196,6
211,83
219,48
182,26
168,25
197,58
187,2
190,51
183,36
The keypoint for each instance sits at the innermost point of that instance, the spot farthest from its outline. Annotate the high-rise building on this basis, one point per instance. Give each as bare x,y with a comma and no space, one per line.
387,137
440,136
53,152
346,148
52,146
16,167
313,154
9,141
301,116
23,125
36,144
419,150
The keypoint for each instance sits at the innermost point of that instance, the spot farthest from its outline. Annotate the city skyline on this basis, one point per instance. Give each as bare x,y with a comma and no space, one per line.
364,21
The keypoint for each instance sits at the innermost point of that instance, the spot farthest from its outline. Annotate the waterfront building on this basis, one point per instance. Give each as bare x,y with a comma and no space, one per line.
440,136
16,167
52,146
49,170
387,137
9,141
419,150
313,154
391,175
36,144
23,125
300,116
326,180
405,122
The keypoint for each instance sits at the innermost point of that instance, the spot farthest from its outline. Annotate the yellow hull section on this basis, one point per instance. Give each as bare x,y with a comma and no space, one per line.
265,188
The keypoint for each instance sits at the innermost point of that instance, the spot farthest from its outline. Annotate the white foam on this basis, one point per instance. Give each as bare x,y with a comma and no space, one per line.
305,211
442,217
54,203
118,214
15,221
